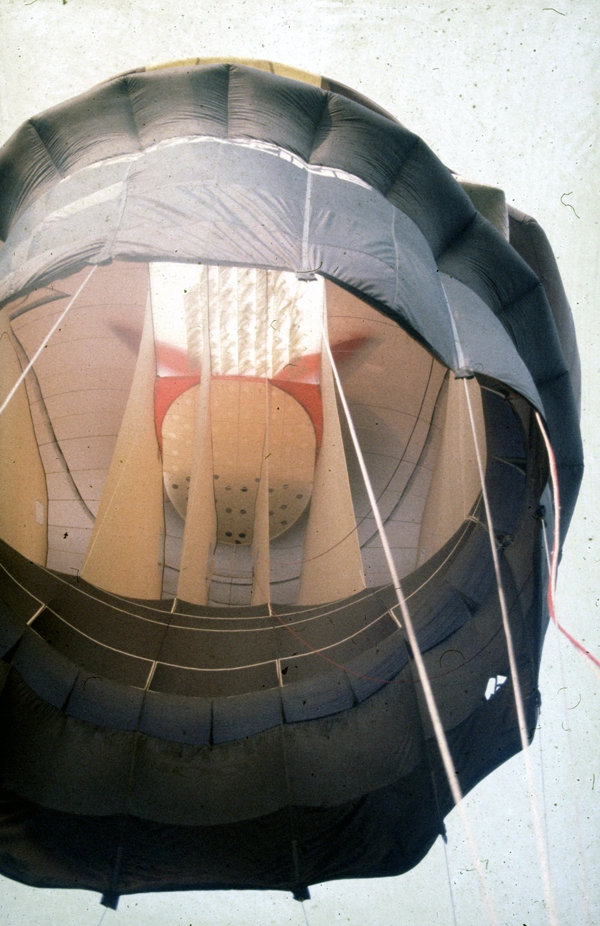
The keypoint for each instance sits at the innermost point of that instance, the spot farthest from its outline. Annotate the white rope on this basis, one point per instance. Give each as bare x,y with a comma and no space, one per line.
45,341
445,842
580,853
438,728
523,733
553,559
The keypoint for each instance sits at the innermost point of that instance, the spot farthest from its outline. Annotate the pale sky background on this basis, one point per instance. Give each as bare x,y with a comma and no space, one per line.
506,93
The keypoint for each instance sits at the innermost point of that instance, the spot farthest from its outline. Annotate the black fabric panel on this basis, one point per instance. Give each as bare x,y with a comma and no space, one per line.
25,168
361,142
214,650
427,192
62,760
95,659
386,833
506,489
11,628
481,259
178,102
305,665
97,125
275,109
109,624
530,241
177,783
504,433
24,585
346,756
506,463
565,437
220,683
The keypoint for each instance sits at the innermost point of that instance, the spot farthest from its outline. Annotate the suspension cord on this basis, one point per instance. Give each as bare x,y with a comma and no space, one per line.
582,865
438,728
523,733
58,321
553,561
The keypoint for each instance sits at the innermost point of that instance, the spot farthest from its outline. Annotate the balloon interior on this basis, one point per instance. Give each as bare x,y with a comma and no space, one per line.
244,316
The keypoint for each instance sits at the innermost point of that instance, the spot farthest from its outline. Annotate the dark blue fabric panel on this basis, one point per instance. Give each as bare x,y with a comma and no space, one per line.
317,697
449,614
530,241
179,101
245,715
361,142
482,259
97,125
26,169
370,671
504,434
472,572
506,493
45,670
176,718
105,703
275,109
11,627
425,190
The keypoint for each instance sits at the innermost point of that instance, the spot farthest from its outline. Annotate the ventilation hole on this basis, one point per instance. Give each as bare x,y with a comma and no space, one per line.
285,485
271,513
215,477
228,510
271,490
257,479
299,496
228,488
241,535
228,534
284,522
174,486
283,506
187,478
244,489
242,511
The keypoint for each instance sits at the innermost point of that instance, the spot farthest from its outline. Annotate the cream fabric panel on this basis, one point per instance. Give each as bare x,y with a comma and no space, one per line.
455,485
332,564
489,201
23,494
261,560
125,554
273,66
200,536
